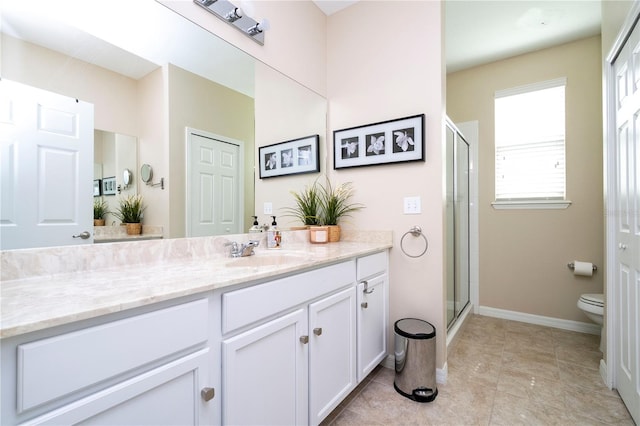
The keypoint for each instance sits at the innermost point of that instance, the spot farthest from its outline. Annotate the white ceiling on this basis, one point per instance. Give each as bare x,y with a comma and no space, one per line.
481,31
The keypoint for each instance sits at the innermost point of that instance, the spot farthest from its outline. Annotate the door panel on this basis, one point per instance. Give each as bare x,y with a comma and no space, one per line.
47,168
214,186
626,303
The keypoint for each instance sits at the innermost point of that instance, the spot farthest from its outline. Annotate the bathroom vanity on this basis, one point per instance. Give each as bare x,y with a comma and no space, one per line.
188,335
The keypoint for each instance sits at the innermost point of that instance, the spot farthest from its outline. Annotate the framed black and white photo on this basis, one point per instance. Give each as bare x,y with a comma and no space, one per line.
109,186
97,188
393,141
290,158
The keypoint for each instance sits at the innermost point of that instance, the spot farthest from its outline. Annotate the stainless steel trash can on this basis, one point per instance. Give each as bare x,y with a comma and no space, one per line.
415,352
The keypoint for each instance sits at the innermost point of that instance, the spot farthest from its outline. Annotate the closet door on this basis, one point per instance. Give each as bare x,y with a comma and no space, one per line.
626,303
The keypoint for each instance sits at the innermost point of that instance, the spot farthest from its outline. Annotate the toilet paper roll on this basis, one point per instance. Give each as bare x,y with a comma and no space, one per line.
582,268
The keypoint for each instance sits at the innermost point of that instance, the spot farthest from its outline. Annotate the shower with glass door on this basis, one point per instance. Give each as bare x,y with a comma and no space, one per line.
457,223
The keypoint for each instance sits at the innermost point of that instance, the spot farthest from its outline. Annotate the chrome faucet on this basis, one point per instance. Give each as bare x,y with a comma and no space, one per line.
243,250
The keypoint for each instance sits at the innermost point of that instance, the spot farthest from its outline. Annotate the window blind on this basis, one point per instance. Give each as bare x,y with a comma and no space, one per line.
530,142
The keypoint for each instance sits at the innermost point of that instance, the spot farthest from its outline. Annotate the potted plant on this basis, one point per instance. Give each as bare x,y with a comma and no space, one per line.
336,205
130,213
308,205
100,210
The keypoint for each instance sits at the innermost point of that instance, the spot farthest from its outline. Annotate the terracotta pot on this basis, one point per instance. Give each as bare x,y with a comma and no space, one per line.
300,228
318,234
98,222
334,233
134,228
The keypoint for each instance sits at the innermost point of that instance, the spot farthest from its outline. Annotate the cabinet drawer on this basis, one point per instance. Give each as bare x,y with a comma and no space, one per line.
251,304
372,265
57,366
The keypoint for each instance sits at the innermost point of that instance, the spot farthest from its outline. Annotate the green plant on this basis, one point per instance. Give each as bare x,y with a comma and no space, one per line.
130,209
335,202
100,208
308,205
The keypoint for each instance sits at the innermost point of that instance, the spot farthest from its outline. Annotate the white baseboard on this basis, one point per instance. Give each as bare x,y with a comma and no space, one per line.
563,324
603,374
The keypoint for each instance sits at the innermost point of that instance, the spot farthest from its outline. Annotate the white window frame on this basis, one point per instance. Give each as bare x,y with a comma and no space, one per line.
532,203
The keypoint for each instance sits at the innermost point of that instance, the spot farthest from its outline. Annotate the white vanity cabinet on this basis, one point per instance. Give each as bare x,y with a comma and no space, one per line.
147,368
294,357
373,311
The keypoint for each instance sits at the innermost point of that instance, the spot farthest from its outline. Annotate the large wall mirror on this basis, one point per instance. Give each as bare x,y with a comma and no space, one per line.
154,75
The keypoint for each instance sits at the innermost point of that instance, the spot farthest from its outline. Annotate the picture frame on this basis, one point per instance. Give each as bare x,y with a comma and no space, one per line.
292,157
109,186
97,187
393,141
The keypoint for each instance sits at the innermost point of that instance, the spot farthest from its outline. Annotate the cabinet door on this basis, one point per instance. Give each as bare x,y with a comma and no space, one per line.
264,377
167,395
332,352
372,324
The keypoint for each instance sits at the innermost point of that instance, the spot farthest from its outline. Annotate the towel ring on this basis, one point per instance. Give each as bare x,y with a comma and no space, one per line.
416,231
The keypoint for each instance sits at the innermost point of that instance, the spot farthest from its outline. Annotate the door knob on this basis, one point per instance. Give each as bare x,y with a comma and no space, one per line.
304,339
317,331
84,235
207,393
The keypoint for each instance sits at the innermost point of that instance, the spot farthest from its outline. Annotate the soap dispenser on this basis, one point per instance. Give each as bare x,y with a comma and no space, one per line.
255,229
274,237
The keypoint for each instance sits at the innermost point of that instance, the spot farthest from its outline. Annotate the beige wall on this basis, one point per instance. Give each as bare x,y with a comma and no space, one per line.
113,95
385,61
294,45
614,13
284,112
524,253
204,105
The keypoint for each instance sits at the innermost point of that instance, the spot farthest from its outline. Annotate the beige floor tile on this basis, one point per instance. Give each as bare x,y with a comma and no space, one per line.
499,373
532,362
538,389
512,410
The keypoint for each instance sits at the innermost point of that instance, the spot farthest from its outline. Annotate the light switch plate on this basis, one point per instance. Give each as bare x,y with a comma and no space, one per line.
412,205
268,208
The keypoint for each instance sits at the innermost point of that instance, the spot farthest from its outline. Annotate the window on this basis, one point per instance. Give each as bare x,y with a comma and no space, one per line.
529,143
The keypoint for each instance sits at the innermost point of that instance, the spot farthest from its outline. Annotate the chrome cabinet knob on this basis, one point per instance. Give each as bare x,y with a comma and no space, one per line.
84,235
364,305
207,393
317,331
366,289
622,246
304,339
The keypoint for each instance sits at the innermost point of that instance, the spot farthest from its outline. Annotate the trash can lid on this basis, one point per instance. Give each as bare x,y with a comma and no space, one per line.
415,328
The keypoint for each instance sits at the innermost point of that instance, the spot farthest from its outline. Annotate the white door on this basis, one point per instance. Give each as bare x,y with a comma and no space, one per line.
46,158
264,374
627,218
214,185
332,352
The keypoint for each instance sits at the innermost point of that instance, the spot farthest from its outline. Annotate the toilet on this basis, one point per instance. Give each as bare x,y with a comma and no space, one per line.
592,305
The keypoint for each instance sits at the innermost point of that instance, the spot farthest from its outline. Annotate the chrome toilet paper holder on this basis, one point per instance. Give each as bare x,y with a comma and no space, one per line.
572,266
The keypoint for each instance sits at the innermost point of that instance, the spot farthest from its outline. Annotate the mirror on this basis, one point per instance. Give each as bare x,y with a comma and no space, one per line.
126,177
99,54
146,173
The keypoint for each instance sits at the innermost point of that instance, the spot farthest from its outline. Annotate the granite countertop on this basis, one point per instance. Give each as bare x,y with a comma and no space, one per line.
42,288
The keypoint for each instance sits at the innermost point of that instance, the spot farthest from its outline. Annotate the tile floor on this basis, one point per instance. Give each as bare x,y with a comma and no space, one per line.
500,373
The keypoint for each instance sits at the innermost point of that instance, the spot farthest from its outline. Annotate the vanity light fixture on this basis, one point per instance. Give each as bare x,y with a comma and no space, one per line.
233,15
226,11
258,28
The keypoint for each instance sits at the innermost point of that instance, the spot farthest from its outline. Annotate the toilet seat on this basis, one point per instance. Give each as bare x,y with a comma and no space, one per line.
596,300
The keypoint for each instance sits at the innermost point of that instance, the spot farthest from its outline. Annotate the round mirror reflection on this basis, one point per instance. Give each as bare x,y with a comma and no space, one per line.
146,173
